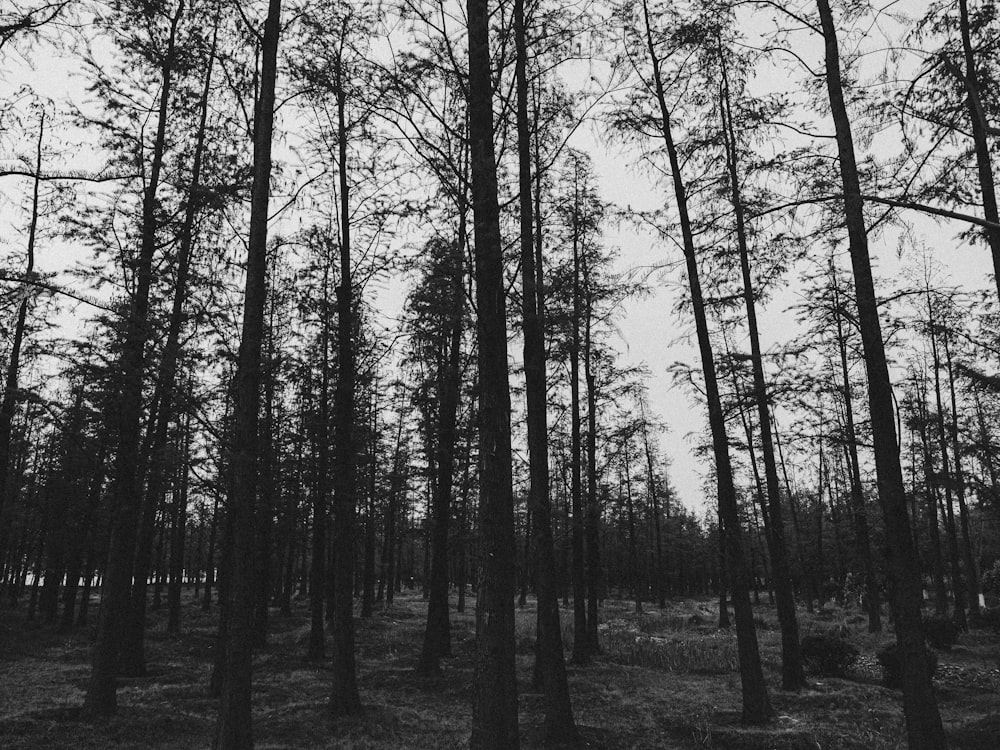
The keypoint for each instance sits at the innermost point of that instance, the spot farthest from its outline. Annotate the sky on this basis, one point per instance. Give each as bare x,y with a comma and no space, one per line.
651,332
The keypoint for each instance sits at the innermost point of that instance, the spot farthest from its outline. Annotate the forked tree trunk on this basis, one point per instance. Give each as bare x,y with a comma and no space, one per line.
101,698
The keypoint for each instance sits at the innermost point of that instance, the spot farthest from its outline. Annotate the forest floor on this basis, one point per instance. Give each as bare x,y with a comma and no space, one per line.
667,679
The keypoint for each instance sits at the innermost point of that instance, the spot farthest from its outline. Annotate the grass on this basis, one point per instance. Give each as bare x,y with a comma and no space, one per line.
665,679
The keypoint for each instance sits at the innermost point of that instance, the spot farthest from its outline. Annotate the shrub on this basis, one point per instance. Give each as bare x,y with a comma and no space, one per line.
989,618
827,655
940,632
888,657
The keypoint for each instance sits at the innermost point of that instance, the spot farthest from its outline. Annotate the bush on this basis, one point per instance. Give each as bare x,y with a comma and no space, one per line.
989,618
827,655
940,632
888,657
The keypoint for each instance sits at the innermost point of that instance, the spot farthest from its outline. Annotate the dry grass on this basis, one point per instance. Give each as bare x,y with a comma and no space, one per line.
666,679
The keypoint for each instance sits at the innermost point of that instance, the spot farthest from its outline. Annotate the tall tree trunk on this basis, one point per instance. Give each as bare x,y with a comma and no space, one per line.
344,697
9,403
957,579
971,572
550,661
437,634
581,644
923,722
494,702
593,513
151,471
792,673
654,504
977,121
320,500
756,703
635,577
368,573
861,535
101,699
933,523
234,729
179,523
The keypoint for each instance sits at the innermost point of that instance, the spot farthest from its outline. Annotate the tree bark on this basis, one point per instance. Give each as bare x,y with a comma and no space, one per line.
494,702
923,722
437,634
793,675
344,697
234,728
550,661
984,164
101,699
756,703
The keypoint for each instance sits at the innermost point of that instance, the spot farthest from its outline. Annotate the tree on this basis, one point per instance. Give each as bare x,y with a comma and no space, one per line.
101,691
235,729
756,704
923,722
550,660
494,702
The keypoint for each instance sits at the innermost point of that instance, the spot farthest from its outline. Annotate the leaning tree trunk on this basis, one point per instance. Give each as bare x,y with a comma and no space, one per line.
101,699
756,703
923,722
151,471
792,673
494,701
9,403
234,729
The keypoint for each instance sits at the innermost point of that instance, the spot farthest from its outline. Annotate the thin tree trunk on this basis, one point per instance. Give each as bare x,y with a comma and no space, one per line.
437,635
971,572
581,644
344,697
101,699
977,121
756,704
861,534
550,661
317,563
9,403
957,579
792,673
593,513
